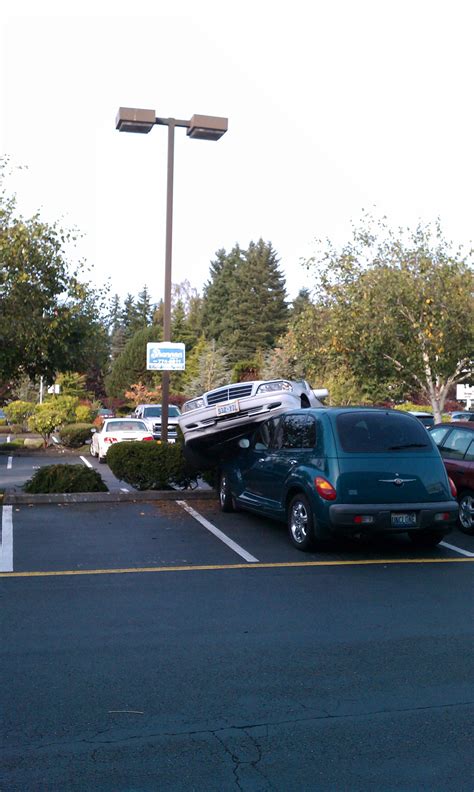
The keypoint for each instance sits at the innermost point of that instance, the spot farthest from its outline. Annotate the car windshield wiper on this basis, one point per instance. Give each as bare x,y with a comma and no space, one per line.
407,445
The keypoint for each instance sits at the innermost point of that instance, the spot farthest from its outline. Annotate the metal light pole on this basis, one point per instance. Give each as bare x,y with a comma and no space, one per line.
132,119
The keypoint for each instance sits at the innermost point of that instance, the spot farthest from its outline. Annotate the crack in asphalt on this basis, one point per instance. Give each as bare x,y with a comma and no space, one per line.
247,726
240,763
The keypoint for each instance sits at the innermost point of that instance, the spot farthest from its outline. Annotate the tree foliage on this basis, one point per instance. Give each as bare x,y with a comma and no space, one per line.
245,307
48,319
399,312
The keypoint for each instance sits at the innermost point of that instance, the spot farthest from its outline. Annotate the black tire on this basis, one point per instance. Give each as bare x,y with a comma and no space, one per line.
101,459
91,452
466,512
300,523
426,539
226,499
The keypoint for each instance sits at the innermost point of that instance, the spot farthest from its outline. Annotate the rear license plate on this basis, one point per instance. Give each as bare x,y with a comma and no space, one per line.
404,520
228,408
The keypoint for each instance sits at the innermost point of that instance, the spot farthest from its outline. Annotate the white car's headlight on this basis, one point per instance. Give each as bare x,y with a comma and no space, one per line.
278,385
194,404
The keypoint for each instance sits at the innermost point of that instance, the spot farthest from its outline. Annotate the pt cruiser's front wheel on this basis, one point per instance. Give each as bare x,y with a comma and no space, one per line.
301,523
225,496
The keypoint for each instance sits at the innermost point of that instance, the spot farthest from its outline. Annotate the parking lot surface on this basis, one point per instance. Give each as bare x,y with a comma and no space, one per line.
167,646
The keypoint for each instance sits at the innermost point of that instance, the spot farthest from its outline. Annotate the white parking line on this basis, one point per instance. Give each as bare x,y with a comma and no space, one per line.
9,439
9,463
457,549
86,461
124,489
6,547
212,528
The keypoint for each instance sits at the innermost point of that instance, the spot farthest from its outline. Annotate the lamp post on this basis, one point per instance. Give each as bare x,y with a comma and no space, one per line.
200,127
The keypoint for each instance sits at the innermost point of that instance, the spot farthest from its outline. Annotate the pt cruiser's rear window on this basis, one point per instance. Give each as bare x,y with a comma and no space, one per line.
362,432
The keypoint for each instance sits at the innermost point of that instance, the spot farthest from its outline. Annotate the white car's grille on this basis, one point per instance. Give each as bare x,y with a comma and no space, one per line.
237,391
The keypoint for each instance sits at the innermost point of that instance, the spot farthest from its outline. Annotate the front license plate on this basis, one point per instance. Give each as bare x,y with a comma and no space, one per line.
404,520
227,408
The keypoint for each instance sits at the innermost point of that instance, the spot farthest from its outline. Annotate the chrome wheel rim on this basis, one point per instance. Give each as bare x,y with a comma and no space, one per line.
299,522
466,512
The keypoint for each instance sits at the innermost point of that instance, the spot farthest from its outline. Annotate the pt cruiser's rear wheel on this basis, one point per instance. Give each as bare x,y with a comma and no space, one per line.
426,539
225,496
301,523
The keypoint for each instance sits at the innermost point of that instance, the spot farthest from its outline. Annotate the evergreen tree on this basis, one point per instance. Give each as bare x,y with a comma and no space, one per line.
114,317
218,292
129,316
301,301
130,365
144,308
212,366
245,307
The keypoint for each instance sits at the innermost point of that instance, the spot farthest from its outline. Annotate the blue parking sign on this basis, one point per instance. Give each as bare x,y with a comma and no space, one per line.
165,356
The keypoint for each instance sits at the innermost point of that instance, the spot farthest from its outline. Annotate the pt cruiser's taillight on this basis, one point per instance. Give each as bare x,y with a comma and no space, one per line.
325,488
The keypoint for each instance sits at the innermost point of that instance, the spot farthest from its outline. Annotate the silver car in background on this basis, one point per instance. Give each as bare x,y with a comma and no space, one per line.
150,414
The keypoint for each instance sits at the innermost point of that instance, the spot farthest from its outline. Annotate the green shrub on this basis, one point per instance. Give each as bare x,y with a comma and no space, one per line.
19,411
7,447
150,466
84,414
65,478
11,429
75,435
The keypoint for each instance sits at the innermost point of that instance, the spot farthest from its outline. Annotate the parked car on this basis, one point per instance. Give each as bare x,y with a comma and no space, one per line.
150,414
426,418
233,411
342,471
117,430
104,413
462,416
456,445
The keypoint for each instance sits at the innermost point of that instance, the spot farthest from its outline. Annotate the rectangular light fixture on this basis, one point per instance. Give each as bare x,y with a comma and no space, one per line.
207,127
134,119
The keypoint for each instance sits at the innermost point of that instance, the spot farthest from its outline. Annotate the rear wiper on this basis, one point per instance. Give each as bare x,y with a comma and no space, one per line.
407,445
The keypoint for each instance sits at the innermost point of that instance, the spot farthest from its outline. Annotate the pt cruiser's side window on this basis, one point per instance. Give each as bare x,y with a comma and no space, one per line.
296,431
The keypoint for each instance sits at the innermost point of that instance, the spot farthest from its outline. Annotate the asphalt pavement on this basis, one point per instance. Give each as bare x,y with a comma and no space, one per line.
159,645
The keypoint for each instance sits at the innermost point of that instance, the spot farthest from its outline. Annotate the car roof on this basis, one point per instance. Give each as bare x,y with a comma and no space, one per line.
124,418
455,425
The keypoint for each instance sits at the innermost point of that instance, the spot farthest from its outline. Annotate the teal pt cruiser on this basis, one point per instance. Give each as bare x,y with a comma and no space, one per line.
342,471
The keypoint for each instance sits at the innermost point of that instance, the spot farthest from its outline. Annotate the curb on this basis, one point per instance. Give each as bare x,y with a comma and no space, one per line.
13,498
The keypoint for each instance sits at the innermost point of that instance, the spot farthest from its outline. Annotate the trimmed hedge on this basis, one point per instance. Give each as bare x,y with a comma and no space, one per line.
75,435
65,478
150,466
11,429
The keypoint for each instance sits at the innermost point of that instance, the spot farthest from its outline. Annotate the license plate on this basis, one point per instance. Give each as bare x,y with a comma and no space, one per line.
404,520
228,408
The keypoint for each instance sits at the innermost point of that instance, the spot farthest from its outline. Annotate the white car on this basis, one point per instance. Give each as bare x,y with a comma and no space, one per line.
117,430
232,411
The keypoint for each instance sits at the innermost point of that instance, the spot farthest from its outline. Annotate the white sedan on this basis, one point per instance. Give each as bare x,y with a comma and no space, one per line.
117,430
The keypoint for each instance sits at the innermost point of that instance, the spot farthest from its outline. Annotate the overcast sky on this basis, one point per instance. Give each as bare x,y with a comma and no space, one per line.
333,107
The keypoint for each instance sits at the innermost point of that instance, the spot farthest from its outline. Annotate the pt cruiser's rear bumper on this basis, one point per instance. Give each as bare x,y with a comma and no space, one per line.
342,517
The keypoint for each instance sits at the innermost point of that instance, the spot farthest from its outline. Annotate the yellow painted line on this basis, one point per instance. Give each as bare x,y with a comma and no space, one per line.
213,567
